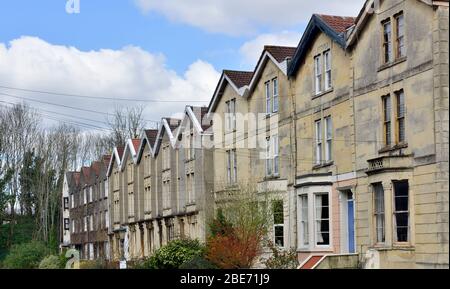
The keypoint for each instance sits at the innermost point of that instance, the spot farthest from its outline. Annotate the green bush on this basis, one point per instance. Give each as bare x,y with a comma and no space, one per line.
198,263
26,256
174,254
281,258
51,262
93,264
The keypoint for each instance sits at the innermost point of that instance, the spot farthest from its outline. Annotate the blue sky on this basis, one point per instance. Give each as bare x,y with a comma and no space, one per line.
140,49
115,24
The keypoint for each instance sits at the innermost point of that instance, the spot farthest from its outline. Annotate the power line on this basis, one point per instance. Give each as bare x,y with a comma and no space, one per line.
98,97
63,105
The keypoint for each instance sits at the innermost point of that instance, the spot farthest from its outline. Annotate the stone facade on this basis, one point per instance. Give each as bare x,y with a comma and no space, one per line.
160,190
85,211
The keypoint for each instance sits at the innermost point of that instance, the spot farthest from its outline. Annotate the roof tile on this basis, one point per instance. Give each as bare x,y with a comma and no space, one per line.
338,23
239,78
280,53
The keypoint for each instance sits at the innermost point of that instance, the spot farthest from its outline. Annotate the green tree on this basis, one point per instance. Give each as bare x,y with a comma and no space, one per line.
5,198
26,256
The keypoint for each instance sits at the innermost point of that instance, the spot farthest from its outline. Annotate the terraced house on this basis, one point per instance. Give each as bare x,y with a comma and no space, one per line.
161,191
347,134
372,137
400,93
86,212
324,172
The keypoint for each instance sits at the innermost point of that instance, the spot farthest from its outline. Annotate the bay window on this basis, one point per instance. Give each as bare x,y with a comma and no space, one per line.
322,219
304,219
278,223
401,211
379,213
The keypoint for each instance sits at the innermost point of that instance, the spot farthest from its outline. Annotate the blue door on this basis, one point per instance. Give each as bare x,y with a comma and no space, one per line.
351,225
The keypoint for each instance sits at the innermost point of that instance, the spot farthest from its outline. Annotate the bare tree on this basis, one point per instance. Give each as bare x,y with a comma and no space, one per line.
125,123
20,126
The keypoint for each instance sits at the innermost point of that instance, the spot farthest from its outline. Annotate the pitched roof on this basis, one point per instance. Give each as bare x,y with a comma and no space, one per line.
338,23
239,78
76,177
173,123
136,143
151,135
86,173
280,53
333,26
205,124
120,151
106,159
96,168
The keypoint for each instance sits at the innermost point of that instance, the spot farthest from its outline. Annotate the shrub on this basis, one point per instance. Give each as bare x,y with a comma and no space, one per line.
198,263
93,264
281,259
174,254
26,256
51,262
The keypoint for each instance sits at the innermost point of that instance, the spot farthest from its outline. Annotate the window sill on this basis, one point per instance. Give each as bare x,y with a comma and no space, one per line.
165,170
324,165
272,114
272,177
189,160
319,94
393,148
397,246
391,64
315,250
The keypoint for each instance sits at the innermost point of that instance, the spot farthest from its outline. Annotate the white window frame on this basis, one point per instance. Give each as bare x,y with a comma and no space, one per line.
328,138
229,166
395,212
269,160
387,43
268,98
318,74
328,75
279,225
276,155
379,215
315,194
318,142
275,100
400,35
304,223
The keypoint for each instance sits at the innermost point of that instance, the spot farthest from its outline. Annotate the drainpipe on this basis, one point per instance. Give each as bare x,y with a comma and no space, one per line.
293,154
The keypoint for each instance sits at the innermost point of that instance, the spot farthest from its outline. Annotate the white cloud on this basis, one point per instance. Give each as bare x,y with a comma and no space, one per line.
237,17
251,50
131,73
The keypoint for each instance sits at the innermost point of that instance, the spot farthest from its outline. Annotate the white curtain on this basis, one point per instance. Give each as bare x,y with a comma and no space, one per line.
319,218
